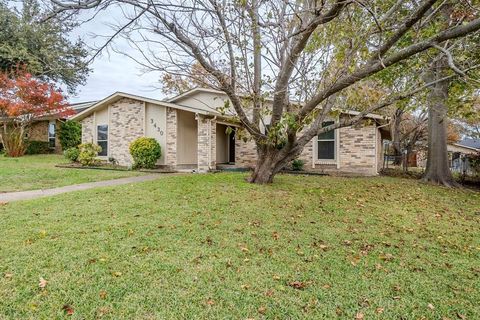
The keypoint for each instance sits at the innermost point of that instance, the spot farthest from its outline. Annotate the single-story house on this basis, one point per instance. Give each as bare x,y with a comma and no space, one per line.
194,135
46,128
458,153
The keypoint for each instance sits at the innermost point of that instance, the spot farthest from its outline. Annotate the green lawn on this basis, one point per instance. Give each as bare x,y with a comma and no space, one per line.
39,172
213,246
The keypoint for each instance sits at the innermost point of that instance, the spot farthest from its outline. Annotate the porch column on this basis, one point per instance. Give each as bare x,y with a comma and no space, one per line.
207,153
171,139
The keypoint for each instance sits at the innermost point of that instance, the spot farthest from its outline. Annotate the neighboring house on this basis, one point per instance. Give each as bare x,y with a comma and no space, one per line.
46,128
459,152
457,155
194,135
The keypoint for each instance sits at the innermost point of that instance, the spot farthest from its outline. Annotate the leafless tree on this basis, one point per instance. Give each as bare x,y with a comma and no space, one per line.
301,54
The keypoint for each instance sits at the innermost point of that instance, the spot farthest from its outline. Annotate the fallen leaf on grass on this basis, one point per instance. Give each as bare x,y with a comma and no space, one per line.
386,257
300,285
116,274
359,316
210,302
338,311
269,293
68,309
461,316
379,310
431,306
42,283
323,247
262,310
102,311
8,275
103,294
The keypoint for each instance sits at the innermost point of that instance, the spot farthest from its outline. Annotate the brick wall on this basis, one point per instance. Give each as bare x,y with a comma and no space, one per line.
357,149
206,143
357,152
126,124
38,131
171,155
245,153
87,129
306,155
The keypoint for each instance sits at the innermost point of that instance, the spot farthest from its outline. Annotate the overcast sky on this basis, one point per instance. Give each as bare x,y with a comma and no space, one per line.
111,71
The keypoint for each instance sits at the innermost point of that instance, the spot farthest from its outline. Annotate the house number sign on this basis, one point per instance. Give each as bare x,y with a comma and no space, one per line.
159,130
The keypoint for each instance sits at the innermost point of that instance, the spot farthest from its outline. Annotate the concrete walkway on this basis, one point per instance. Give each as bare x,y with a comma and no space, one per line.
33,194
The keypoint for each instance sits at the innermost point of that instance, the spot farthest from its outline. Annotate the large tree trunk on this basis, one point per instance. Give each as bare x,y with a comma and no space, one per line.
438,170
270,161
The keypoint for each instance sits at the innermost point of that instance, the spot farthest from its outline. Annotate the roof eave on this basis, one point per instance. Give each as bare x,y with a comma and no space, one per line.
117,95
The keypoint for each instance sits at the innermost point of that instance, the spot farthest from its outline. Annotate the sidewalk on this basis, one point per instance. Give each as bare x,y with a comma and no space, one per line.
33,194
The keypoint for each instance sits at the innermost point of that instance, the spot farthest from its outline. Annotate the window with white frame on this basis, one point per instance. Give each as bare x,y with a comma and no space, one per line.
326,143
51,134
102,139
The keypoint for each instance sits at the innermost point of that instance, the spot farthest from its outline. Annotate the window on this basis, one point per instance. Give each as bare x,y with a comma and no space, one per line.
102,139
326,143
51,134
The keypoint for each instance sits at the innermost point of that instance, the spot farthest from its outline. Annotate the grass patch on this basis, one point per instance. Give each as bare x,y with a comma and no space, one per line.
39,172
214,246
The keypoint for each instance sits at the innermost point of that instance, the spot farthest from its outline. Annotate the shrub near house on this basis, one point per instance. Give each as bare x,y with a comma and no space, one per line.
70,134
72,154
88,154
145,152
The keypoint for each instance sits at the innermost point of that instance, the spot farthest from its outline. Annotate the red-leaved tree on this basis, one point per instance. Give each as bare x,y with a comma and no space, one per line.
24,99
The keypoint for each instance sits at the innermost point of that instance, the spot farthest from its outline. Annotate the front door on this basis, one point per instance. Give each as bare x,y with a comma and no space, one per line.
231,147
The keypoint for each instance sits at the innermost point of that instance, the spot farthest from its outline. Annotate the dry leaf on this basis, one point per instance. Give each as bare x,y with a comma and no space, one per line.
68,309
103,294
386,257
43,283
210,302
359,316
430,306
116,274
8,275
269,293
323,247
297,285
379,310
262,310
338,311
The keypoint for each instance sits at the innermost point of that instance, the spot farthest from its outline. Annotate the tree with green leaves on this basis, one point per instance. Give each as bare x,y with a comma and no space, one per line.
285,64
41,47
